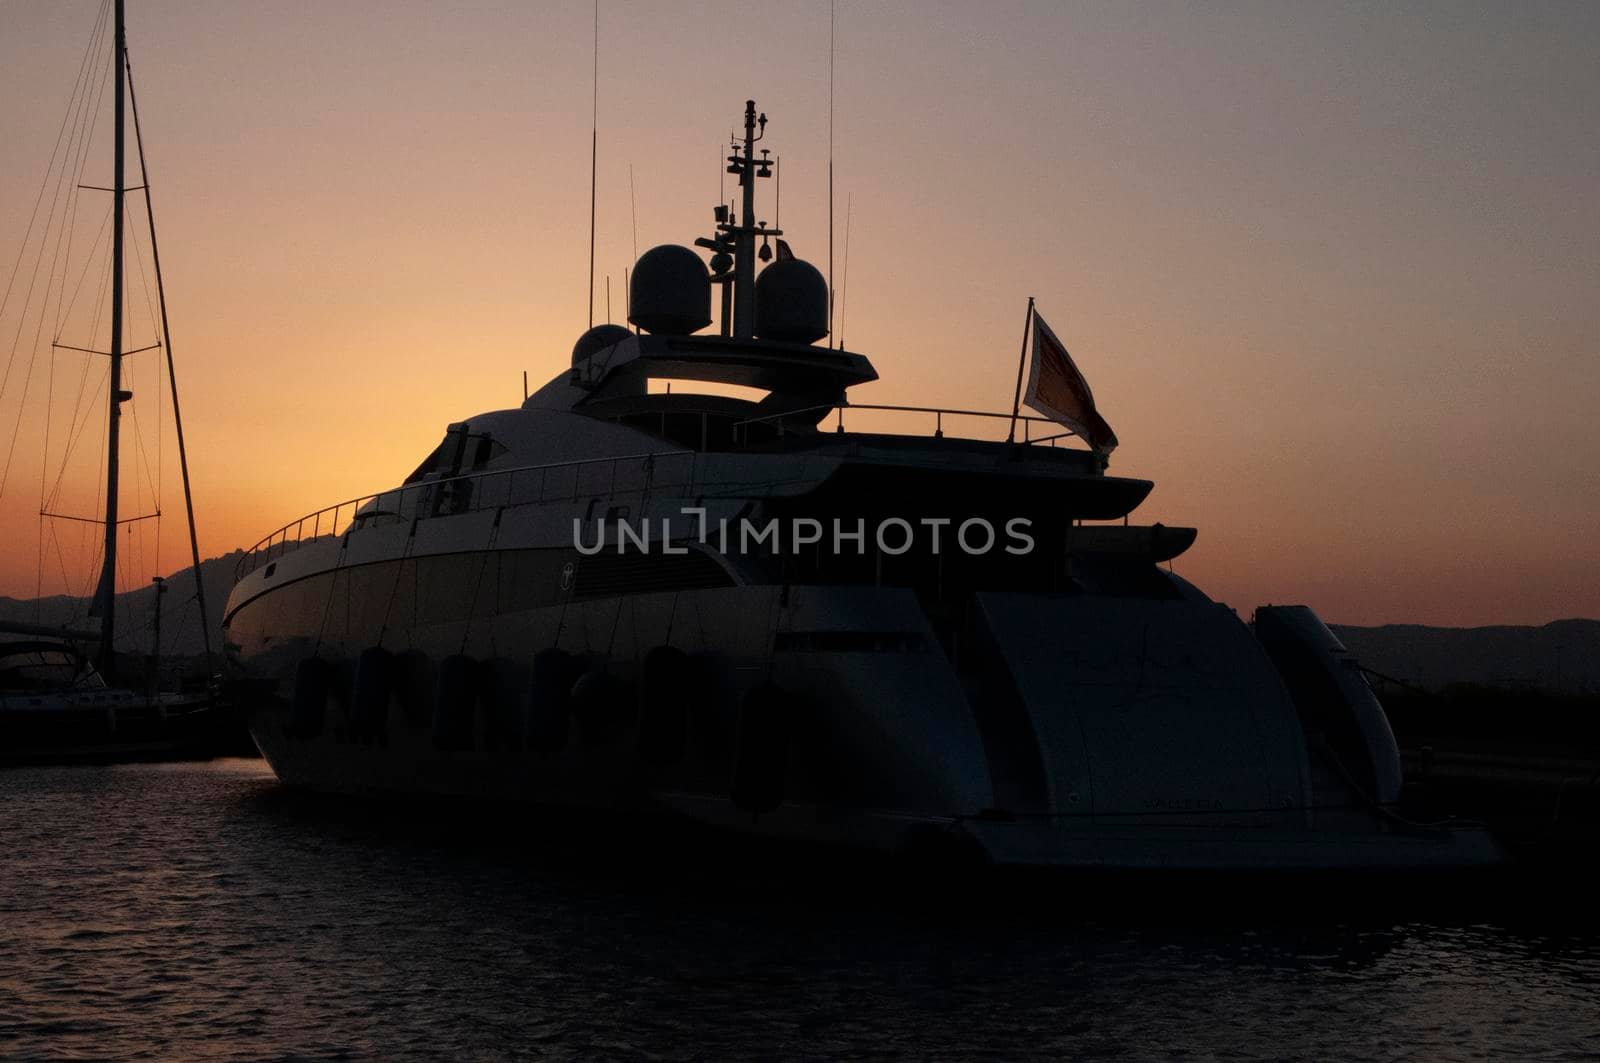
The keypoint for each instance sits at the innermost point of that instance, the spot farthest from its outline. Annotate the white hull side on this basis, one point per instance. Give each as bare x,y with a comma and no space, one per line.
892,741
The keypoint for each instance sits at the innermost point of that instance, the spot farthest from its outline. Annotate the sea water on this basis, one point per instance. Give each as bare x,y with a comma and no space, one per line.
202,911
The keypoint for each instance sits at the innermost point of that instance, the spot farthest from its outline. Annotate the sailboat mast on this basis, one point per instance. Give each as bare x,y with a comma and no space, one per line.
108,574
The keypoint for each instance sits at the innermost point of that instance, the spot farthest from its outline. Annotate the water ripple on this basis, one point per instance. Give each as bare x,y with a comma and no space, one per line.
201,912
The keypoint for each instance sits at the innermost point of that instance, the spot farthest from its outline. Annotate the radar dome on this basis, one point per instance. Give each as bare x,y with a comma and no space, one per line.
670,291
791,302
597,339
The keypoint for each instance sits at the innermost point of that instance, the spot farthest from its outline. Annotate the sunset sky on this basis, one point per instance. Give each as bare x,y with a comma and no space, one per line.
1333,270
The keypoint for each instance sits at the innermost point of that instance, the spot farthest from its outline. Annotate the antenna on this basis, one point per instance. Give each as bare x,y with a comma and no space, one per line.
594,153
830,170
633,211
608,292
844,279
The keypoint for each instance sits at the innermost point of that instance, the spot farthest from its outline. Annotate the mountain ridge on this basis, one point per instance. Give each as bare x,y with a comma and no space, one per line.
1562,656
180,616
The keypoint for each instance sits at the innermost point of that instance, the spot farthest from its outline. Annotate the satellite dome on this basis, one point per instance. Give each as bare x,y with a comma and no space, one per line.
597,339
670,291
791,302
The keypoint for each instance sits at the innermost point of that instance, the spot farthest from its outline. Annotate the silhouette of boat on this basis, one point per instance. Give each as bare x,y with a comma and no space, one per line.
56,703
738,612
56,707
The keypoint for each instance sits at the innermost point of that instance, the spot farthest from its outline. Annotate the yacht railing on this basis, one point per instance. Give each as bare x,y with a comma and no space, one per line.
471,492
538,484
939,414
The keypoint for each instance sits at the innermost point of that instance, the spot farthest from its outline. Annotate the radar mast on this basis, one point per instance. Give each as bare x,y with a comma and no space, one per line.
733,259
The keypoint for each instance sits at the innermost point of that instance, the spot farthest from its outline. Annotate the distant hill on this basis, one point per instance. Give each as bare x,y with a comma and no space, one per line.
180,616
1560,657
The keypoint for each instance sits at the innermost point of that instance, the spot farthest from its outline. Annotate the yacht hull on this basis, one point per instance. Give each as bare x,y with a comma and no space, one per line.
1038,731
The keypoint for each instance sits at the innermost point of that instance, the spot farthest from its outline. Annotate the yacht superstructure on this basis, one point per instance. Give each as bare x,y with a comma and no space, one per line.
741,612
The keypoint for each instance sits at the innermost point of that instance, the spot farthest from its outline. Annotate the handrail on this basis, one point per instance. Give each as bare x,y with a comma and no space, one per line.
939,415
435,491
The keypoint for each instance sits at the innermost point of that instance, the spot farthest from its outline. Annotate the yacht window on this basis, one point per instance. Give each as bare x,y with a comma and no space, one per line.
439,459
486,449
458,447
661,386
695,430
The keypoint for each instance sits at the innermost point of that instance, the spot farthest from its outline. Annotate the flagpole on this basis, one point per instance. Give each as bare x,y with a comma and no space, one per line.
1022,360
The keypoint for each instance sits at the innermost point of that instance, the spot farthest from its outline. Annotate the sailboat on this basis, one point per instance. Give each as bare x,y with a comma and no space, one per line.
58,698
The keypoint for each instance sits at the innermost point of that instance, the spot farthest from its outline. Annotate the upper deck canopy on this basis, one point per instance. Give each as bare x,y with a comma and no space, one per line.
816,374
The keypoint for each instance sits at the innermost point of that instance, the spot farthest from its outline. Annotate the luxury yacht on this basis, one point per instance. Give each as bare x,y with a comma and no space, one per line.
633,595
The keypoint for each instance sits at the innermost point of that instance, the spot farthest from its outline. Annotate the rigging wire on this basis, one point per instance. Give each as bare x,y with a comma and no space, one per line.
831,6
67,150
127,578
172,374
66,580
153,479
33,354
159,340
83,275
46,493
76,434
85,140
82,412
149,480
67,120
594,154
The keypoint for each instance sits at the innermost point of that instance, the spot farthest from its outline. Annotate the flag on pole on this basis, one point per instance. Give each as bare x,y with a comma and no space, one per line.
1057,390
